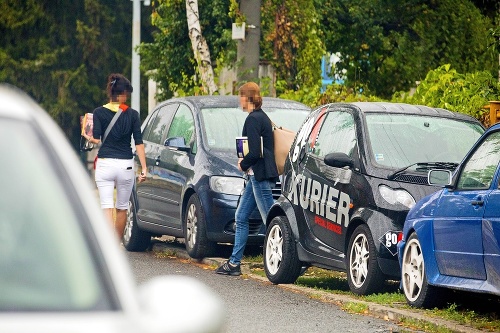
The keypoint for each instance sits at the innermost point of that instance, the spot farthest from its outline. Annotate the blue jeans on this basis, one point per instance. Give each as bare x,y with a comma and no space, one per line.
256,194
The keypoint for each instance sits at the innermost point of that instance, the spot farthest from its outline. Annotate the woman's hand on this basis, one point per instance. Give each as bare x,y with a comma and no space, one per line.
89,138
142,177
239,166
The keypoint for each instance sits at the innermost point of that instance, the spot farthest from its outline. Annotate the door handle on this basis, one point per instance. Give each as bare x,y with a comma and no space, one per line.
477,202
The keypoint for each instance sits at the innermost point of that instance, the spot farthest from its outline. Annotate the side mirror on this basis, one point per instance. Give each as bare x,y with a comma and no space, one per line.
167,306
439,177
177,142
338,160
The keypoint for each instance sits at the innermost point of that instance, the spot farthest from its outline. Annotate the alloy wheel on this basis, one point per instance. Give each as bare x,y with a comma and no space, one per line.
413,269
359,257
274,249
191,226
127,232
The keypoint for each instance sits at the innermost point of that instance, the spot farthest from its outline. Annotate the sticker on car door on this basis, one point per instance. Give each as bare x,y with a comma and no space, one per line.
321,199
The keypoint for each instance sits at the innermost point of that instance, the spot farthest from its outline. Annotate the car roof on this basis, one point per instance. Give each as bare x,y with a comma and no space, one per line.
403,108
208,101
15,103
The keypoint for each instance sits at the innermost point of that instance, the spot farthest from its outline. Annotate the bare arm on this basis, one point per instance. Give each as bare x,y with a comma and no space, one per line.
91,139
142,159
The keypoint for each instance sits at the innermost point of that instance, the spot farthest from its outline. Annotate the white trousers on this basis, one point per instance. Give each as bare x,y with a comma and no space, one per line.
111,173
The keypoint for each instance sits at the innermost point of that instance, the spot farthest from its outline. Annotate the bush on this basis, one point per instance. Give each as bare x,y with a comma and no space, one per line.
465,93
334,93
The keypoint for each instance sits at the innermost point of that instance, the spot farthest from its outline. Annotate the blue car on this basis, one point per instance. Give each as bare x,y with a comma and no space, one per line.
451,239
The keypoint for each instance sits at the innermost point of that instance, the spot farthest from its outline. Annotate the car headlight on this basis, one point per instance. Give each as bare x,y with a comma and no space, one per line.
396,196
227,185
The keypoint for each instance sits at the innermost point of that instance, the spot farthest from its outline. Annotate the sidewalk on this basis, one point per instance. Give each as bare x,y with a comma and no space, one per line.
376,310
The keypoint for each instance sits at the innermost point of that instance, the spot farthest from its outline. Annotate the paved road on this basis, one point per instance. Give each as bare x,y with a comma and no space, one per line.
257,306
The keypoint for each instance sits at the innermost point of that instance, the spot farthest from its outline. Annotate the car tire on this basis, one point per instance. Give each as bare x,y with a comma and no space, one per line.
363,272
134,239
195,230
281,262
417,291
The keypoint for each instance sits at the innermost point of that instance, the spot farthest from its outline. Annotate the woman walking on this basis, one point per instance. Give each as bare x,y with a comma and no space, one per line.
260,170
115,162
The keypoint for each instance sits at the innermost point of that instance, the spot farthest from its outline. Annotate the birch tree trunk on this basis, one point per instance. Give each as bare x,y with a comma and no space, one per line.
200,47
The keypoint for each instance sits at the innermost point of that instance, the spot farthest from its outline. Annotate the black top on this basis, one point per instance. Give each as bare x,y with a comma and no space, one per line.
118,141
257,124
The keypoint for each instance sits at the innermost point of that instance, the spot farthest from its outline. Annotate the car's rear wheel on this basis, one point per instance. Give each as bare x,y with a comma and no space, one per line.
195,230
363,272
281,262
418,292
134,239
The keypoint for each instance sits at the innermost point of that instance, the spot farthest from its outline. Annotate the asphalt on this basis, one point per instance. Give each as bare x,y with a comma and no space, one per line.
176,247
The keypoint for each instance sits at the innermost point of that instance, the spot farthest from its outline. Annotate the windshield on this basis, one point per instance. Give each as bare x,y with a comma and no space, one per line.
45,261
222,125
399,140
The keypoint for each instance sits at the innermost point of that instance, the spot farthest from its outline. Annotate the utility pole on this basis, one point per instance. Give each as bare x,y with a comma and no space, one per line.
248,53
135,99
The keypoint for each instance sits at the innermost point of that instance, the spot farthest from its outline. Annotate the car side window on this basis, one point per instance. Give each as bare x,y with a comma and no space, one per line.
149,124
479,170
159,124
337,135
183,125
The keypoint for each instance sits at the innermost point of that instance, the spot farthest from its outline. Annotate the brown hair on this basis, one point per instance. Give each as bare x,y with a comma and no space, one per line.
251,90
117,85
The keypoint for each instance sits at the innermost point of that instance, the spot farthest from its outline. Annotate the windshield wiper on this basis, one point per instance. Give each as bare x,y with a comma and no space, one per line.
424,166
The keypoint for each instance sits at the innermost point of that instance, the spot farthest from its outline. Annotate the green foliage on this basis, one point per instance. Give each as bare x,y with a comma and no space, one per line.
308,96
61,53
445,87
169,58
388,45
334,93
234,12
292,42
341,93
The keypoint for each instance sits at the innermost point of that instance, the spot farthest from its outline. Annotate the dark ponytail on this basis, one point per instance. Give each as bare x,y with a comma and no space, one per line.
117,85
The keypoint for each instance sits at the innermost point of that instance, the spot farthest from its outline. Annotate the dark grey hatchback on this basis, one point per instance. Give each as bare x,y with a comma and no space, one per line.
193,183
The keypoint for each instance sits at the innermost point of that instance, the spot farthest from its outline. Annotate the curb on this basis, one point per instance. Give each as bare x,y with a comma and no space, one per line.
375,310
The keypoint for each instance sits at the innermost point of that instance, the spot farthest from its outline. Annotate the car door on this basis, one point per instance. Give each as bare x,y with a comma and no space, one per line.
326,194
175,164
491,217
491,235
150,203
458,224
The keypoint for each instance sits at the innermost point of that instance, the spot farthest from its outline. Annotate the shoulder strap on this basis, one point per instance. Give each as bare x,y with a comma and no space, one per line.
111,124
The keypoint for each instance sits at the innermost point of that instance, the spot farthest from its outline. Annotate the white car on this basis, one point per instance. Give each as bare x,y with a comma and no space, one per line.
61,267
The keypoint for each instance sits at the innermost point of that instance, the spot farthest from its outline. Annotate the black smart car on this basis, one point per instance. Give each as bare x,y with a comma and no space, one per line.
353,173
193,183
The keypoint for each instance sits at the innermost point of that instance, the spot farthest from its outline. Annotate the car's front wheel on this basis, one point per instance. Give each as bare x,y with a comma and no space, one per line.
418,292
195,230
134,239
281,262
363,272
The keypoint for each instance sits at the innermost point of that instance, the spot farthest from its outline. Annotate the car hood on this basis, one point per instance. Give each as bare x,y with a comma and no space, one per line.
223,163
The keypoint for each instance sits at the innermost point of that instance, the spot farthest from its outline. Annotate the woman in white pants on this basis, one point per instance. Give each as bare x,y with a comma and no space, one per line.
115,163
